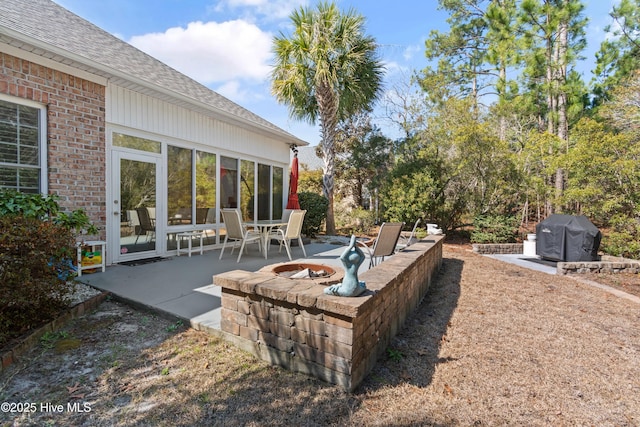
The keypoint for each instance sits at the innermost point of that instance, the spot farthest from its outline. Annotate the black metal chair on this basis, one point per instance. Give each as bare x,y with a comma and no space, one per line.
147,224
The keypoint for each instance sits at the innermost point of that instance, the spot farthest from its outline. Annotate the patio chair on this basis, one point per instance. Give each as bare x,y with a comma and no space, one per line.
285,217
237,233
406,240
385,244
293,230
147,225
286,214
133,221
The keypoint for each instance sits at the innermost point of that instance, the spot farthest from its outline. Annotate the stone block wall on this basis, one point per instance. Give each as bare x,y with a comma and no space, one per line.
293,324
75,131
603,266
497,248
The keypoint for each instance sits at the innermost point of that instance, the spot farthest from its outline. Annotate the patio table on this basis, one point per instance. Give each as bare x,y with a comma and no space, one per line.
189,236
264,226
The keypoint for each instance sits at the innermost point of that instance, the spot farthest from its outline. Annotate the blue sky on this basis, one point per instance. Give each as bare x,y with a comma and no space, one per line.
226,44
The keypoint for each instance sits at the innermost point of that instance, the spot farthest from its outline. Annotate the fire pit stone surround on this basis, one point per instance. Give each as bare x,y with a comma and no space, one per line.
333,274
292,323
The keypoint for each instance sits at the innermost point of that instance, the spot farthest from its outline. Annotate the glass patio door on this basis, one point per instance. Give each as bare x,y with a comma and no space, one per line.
135,206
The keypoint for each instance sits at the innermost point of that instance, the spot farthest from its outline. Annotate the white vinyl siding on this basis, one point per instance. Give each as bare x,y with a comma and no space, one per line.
139,111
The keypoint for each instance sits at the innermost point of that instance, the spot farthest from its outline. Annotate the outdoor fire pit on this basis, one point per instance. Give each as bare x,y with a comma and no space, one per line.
317,273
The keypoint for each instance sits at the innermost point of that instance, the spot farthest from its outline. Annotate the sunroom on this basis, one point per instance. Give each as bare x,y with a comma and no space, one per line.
146,151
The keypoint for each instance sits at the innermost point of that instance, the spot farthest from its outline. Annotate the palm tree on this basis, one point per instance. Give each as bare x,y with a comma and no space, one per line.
328,69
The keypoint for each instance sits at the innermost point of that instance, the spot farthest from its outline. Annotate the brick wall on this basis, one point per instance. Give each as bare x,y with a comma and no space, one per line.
292,323
75,132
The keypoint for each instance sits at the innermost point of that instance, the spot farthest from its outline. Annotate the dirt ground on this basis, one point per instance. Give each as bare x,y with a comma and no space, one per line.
629,283
492,344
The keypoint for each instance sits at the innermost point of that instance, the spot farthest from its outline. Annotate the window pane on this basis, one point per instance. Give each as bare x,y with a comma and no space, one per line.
8,132
28,116
264,191
8,152
228,182
179,180
8,112
278,179
29,156
205,188
247,189
138,206
9,178
128,141
29,136
29,180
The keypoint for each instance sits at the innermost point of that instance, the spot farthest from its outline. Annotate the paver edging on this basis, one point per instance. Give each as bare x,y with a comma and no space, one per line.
25,344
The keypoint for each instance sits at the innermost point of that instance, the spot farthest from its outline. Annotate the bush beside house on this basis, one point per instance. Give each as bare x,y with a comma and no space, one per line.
37,248
316,207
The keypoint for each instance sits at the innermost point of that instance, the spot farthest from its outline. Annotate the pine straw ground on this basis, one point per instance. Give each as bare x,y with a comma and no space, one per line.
492,344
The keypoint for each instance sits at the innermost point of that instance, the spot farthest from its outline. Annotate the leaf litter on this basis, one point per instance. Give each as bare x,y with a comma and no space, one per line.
491,344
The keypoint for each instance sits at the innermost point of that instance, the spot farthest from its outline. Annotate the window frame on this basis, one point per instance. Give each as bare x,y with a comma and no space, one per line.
42,139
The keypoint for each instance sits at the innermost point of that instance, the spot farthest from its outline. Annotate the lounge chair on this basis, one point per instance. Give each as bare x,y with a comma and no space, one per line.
406,240
385,244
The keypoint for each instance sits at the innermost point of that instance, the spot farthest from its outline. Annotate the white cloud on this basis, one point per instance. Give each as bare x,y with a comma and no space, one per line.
212,52
395,71
236,92
411,51
271,10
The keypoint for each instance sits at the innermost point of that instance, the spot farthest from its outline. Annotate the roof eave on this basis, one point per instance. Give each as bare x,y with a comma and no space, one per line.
118,77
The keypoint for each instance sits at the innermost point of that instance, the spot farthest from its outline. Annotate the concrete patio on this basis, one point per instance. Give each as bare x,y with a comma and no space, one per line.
181,286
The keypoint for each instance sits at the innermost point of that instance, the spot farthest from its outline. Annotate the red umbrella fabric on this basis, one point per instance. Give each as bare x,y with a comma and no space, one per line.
292,202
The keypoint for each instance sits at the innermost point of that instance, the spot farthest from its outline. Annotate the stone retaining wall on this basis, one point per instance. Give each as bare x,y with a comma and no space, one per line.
606,265
292,323
497,248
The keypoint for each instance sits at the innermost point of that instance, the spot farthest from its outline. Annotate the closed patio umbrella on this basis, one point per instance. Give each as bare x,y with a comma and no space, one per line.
292,202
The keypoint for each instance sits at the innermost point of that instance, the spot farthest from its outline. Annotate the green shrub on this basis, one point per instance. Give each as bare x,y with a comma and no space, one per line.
355,221
14,203
35,265
37,246
316,207
621,244
44,207
623,239
494,229
364,220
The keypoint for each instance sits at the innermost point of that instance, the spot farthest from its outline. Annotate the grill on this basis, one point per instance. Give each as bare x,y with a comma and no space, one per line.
567,238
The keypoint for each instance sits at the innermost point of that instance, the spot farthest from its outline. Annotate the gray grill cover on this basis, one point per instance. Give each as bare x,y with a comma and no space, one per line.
567,238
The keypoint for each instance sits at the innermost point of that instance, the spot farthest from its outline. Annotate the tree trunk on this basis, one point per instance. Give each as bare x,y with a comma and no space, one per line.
502,132
550,77
560,83
328,154
328,114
